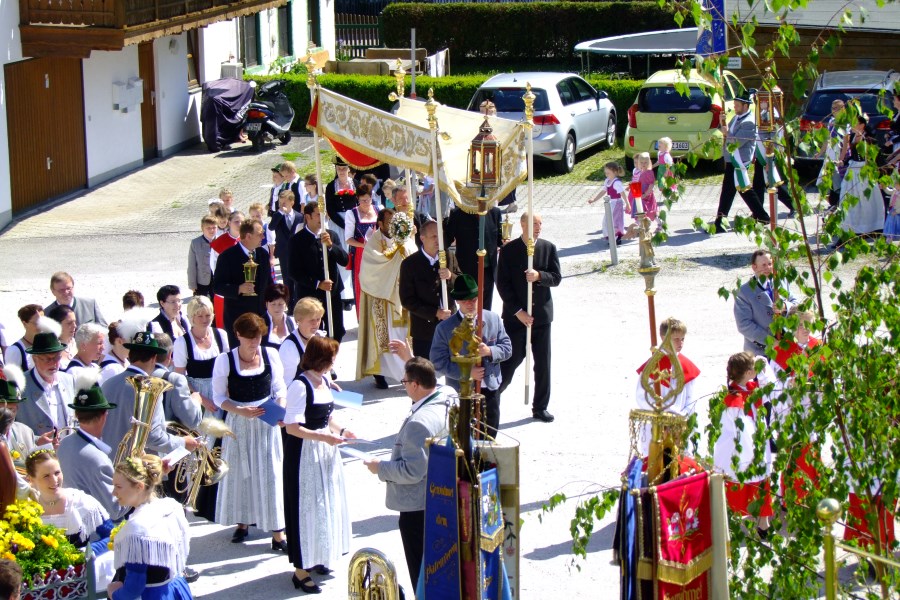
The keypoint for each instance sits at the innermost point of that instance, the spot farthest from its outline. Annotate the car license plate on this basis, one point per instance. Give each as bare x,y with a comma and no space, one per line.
681,146
253,126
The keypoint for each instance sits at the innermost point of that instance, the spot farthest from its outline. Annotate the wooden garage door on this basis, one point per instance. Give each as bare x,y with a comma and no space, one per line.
45,123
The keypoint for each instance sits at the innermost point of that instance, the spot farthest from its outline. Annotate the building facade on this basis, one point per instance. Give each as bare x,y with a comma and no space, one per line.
86,103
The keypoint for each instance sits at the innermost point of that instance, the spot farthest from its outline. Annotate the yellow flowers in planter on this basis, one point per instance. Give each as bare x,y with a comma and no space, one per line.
38,548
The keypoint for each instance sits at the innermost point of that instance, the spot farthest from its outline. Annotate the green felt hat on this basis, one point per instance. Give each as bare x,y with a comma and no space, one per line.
10,392
464,288
91,399
145,340
45,343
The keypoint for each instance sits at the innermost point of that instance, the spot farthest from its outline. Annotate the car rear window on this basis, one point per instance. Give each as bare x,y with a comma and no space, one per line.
820,102
509,99
668,100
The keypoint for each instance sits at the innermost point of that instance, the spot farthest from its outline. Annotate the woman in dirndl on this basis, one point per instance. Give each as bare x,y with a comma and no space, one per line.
358,225
151,548
867,215
279,323
315,502
194,355
243,380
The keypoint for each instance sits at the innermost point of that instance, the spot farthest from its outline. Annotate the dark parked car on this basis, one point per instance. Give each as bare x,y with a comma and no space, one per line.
873,89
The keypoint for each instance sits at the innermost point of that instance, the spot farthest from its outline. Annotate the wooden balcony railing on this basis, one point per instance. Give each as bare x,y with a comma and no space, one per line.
75,27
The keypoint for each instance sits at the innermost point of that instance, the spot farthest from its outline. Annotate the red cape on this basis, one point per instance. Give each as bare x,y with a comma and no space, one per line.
690,369
223,243
737,398
782,355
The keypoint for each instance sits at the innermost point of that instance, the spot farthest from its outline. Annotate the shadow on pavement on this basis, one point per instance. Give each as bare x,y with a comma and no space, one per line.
600,540
375,525
587,248
725,261
683,237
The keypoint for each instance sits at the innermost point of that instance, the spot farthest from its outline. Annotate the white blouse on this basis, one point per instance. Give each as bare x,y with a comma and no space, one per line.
221,371
295,409
180,354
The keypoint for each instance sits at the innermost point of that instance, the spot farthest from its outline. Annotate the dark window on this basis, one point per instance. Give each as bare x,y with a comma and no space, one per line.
585,91
250,40
668,100
285,31
193,56
820,103
566,94
509,100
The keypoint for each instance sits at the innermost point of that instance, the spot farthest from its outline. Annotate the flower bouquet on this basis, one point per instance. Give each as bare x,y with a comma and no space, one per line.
53,568
401,228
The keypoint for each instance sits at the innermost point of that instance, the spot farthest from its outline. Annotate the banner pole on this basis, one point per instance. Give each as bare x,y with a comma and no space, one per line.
431,107
313,84
529,98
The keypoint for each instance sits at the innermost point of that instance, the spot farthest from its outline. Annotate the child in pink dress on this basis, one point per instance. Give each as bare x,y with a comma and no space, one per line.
618,202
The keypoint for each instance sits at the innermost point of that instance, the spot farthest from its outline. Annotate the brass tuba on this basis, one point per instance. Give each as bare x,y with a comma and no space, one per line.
205,465
147,391
372,576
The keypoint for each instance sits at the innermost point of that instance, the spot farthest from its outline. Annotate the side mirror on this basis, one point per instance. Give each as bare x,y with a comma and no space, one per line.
601,95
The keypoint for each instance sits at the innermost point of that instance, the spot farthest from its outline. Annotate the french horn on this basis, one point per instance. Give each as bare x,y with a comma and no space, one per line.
204,466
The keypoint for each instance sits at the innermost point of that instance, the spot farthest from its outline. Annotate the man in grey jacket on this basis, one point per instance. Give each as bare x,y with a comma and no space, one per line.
62,285
199,273
405,472
740,140
756,303
84,457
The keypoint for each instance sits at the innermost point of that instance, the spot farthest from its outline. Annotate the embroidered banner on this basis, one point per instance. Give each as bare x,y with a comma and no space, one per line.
684,539
491,535
441,559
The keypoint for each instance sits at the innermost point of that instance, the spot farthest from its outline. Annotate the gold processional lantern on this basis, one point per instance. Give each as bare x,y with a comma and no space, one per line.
250,271
484,158
769,107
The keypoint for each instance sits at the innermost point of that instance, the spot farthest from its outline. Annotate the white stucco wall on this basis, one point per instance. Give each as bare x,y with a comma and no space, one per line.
219,43
10,51
329,40
177,114
112,138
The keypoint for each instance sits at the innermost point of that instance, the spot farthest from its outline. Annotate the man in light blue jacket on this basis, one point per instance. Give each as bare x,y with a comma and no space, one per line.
495,347
405,472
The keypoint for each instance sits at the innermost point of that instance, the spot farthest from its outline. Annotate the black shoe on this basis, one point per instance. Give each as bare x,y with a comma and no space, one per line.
542,415
719,228
239,535
322,570
306,584
279,546
348,304
380,382
190,575
762,533
333,375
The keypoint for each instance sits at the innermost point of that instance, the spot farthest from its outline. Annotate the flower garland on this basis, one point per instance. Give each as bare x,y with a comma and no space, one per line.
114,533
400,228
38,548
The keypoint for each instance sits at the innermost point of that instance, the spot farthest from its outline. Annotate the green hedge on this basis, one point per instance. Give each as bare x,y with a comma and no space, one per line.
452,91
518,30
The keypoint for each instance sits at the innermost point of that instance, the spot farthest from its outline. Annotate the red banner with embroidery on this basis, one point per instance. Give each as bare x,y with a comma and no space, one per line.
698,589
684,523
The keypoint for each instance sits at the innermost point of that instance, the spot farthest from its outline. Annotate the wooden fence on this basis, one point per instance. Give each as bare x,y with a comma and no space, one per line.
355,33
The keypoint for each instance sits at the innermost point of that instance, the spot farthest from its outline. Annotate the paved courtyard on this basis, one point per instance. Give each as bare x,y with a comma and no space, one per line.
133,233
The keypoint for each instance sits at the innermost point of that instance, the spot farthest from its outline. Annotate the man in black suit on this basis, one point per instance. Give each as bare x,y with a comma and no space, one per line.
240,295
462,227
285,221
169,320
420,289
513,276
308,270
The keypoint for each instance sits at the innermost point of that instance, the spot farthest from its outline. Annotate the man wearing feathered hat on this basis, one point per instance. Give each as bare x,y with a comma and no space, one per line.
48,390
20,438
84,457
143,352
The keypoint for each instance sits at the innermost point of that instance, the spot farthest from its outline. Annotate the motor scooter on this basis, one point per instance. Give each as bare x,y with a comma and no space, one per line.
269,116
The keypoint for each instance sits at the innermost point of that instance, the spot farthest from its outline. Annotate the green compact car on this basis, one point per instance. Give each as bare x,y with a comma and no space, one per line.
690,120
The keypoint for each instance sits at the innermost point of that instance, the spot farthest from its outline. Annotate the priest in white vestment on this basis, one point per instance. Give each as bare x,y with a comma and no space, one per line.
381,316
